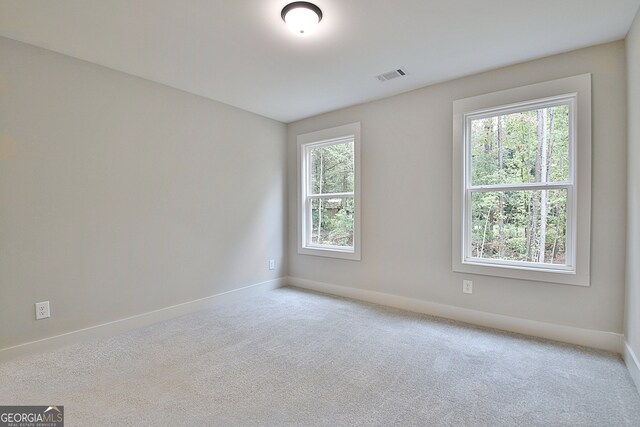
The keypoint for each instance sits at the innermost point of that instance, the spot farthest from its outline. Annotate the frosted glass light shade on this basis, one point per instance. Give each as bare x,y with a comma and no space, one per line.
301,17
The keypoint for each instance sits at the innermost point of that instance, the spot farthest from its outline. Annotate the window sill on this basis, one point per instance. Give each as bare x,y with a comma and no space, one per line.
528,266
351,255
559,276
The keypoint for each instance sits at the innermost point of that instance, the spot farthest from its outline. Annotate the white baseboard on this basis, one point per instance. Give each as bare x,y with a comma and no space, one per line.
137,321
609,341
632,363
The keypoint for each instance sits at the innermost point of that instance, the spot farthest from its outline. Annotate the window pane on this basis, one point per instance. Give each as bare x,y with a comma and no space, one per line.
332,169
520,226
332,221
531,146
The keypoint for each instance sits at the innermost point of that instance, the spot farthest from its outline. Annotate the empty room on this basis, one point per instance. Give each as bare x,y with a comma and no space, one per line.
325,213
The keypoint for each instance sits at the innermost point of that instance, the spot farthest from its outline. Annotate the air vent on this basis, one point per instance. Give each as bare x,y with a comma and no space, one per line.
400,72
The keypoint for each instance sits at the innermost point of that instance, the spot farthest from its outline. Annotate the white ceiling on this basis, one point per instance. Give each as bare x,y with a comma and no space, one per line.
241,53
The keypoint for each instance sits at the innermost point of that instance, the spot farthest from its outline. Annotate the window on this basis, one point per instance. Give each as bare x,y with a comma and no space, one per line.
329,206
519,185
520,157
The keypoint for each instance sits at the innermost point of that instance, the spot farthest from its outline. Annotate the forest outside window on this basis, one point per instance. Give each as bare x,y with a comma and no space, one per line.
519,175
329,203
519,185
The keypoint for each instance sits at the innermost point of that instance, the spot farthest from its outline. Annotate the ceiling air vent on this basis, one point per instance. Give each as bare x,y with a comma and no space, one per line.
392,75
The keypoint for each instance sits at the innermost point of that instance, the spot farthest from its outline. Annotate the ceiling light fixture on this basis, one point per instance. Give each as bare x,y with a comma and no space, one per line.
301,16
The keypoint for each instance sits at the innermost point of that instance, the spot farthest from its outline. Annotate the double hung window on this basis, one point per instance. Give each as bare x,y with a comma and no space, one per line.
329,195
522,161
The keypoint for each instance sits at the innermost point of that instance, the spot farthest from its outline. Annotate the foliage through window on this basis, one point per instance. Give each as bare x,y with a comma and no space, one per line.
329,192
519,184
330,197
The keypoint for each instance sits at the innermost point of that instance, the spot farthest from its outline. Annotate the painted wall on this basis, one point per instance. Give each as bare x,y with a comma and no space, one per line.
119,196
406,198
632,321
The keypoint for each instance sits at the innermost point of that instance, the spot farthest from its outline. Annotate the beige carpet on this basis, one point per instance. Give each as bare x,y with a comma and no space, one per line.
290,357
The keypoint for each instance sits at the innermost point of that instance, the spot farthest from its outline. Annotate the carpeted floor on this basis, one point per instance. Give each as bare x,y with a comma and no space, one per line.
291,357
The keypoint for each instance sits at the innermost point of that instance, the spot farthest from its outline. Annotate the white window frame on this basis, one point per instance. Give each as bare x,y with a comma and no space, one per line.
574,91
306,142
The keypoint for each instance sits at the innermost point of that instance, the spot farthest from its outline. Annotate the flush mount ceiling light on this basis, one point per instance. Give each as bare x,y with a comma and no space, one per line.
301,16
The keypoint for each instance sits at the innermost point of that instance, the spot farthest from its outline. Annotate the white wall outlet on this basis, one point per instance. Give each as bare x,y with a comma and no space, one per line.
272,264
42,310
467,286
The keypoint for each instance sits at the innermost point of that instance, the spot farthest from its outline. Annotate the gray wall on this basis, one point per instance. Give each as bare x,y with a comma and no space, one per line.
632,324
119,196
406,198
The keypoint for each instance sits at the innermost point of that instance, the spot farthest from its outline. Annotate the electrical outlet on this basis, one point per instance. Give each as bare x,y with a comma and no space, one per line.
467,286
42,310
272,264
